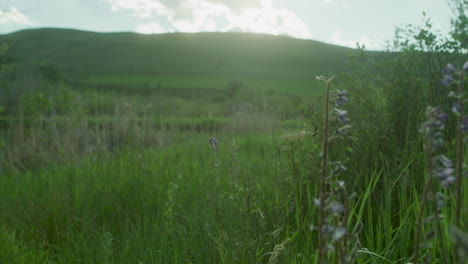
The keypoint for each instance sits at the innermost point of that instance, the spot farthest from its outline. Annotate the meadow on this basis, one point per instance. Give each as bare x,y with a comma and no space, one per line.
226,148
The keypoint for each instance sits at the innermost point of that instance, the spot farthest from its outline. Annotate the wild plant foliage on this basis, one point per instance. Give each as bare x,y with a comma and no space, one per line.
371,173
333,225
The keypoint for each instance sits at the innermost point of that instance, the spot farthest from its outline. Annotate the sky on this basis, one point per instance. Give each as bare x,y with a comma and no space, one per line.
341,22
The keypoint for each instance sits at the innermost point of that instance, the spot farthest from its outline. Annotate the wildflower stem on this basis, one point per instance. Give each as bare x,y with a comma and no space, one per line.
323,178
440,233
427,189
339,248
459,151
345,220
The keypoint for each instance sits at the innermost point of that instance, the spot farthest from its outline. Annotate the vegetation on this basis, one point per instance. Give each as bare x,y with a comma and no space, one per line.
224,148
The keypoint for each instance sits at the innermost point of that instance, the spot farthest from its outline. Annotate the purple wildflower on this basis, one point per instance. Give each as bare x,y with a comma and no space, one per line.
450,69
456,109
440,200
443,117
464,125
445,183
433,126
343,93
341,114
445,175
445,171
343,120
214,143
437,142
342,99
338,233
336,207
465,66
437,118
446,81
446,162
317,202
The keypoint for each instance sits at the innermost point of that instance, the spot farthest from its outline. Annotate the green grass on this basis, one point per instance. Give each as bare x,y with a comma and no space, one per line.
302,87
201,96
111,163
137,206
174,205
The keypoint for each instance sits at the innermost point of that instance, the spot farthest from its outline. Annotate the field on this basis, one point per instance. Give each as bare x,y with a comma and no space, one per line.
209,148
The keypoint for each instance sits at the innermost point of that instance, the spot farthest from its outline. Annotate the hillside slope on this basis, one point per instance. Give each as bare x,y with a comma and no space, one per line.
215,54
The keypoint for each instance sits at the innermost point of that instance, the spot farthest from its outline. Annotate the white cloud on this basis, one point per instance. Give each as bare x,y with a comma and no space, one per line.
258,16
268,19
198,15
13,16
141,8
327,1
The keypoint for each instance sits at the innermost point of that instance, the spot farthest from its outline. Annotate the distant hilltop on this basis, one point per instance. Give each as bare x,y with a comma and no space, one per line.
245,55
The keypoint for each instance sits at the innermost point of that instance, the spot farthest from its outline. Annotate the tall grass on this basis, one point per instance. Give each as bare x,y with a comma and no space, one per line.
116,183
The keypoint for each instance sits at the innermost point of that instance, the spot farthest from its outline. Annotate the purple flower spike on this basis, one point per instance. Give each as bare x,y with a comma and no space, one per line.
465,66
214,143
342,99
437,143
344,92
456,109
444,173
343,120
317,202
446,80
341,113
464,125
445,183
443,117
450,69
446,161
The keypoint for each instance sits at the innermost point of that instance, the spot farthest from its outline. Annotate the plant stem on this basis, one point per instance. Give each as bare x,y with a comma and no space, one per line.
345,223
459,151
323,179
440,233
426,191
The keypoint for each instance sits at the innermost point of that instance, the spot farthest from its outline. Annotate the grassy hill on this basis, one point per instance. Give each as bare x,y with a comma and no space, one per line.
234,55
180,75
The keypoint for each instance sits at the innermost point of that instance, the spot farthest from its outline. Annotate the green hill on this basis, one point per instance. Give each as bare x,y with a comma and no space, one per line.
233,55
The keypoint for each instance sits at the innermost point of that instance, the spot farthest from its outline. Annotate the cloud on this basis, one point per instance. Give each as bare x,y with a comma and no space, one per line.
258,16
267,19
141,8
13,16
198,15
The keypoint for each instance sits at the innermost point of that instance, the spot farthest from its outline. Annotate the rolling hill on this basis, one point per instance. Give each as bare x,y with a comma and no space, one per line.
237,55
